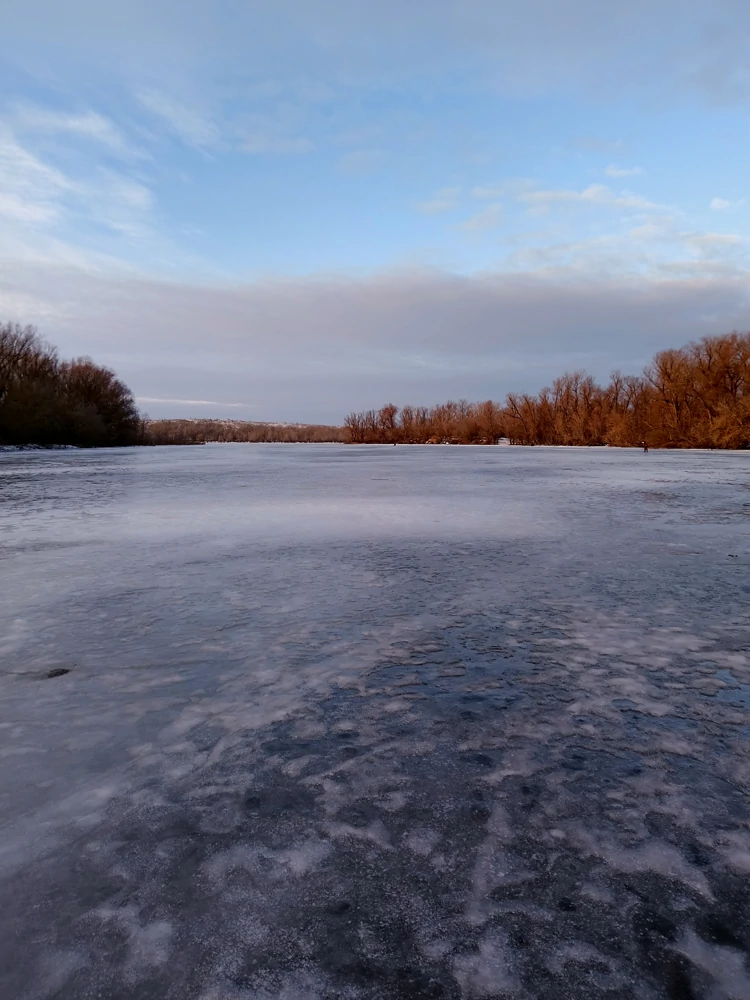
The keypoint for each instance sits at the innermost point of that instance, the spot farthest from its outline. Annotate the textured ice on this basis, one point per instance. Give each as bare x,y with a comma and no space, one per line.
369,722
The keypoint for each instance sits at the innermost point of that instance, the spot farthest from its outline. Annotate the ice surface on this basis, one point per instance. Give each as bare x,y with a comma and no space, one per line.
370,722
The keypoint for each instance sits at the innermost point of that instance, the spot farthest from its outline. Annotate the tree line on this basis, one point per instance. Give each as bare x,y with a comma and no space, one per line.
46,401
697,396
246,431
51,402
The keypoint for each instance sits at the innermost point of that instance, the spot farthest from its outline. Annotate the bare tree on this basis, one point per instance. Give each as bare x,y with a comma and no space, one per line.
697,396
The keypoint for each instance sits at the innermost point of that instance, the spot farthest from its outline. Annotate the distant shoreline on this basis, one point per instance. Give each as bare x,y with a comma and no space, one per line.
16,449
695,397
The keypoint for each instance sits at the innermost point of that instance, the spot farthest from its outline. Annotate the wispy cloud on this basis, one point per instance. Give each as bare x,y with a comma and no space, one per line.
190,402
708,245
488,218
645,254
30,188
512,187
127,192
121,203
188,124
42,205
442,201
89,125
723,205
614,171
17,209
595,194
670,247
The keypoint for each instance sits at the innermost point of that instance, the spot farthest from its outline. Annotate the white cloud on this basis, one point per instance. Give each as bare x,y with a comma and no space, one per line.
126,192
40,204
676,248
120,203
614,171
595,194
14,208
20,168
712,245
442,201
507,188
488,218
654,229
719,239
657,247
188,124
87,125
29,188
722,205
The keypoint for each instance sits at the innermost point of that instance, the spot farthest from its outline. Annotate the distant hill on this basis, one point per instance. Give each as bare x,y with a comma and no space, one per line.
199,431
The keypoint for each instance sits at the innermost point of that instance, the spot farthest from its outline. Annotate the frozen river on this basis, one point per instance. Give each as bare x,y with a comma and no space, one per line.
344,722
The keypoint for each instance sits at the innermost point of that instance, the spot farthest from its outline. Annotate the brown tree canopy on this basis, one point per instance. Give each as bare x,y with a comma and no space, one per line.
694,397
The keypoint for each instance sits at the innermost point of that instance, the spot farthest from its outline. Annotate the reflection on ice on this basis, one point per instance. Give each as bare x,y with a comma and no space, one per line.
359,722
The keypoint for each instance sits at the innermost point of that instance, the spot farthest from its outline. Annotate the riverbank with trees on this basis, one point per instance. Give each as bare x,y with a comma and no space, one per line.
51,403
47,401
697,396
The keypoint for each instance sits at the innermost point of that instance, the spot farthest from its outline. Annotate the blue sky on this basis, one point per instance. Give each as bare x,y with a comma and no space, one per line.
288,211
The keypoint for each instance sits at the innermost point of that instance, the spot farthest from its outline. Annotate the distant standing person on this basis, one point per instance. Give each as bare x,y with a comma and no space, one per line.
645,447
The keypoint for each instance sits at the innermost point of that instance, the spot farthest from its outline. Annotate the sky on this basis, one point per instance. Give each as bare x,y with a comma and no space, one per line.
288,211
